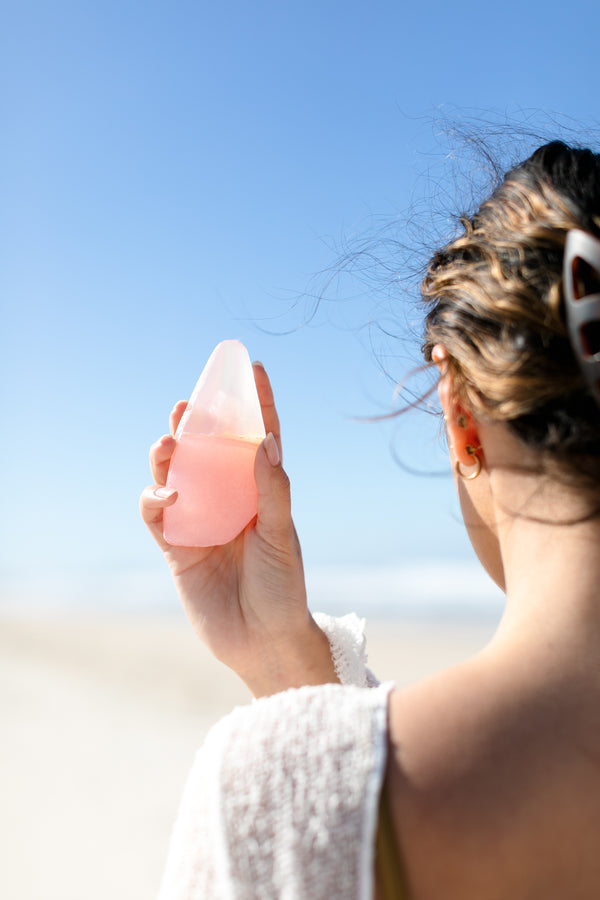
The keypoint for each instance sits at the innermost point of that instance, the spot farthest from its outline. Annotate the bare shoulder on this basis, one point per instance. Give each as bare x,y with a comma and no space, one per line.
481,778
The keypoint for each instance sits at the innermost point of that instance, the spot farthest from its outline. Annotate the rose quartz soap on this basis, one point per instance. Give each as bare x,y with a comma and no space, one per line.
212,467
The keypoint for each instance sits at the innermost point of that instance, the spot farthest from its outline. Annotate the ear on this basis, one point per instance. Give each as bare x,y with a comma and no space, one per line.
460,423
463,435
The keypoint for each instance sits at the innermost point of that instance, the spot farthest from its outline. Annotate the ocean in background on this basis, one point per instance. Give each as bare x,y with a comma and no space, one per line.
422,590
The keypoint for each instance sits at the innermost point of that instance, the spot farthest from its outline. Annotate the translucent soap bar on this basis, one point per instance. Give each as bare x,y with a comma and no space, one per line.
212,468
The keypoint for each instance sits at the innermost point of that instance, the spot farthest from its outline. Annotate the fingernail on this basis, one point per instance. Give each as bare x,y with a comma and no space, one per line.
272,450
164,492
257,362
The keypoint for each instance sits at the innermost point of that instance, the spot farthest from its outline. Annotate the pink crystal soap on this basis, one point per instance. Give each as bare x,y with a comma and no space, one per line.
212,467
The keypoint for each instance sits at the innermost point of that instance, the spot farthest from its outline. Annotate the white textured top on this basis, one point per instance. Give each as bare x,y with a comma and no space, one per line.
282,800
346,636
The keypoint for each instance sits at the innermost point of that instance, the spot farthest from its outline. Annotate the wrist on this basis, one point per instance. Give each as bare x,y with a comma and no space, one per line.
302,658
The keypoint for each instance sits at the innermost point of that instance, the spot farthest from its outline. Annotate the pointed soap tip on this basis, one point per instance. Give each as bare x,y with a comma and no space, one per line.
224,401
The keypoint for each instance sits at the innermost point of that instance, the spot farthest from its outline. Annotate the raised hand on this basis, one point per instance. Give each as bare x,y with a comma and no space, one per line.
246,600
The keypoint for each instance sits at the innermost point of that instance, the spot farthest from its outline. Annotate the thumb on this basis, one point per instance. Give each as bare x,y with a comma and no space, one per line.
274,505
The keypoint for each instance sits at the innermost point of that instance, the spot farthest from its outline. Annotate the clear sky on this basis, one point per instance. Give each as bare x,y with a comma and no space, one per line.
175,173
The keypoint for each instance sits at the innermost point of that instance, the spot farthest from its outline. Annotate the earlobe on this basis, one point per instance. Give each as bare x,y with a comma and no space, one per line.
474,468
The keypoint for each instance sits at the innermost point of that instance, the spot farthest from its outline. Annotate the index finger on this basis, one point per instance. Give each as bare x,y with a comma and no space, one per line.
176,414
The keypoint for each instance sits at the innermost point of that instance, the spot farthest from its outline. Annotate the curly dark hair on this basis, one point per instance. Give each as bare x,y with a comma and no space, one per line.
495,299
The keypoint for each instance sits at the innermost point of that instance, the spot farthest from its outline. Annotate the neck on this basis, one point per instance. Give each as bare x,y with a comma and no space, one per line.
552,572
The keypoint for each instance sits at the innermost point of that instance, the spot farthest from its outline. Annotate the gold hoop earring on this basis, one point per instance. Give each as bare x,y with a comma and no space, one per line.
476,465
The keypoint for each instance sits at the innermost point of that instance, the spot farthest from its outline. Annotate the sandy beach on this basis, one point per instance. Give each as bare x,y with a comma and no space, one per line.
102,717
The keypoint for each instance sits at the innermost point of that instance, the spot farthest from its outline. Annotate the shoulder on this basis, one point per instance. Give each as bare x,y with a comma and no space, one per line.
457,776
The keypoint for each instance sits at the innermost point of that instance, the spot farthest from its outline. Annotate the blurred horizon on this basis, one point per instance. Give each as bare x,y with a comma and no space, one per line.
454,590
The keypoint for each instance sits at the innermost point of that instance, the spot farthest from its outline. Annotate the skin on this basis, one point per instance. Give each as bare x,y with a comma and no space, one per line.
494,766
493,774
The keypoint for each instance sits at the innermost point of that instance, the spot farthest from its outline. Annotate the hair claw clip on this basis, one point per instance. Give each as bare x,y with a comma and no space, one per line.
581,268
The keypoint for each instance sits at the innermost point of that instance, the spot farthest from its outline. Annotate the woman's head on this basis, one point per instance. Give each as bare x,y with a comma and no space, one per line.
497,307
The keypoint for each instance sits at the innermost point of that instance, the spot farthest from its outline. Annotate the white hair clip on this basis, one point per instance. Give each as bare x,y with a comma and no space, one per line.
581,268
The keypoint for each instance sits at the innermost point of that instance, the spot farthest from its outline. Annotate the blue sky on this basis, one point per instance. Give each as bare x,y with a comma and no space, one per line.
178,173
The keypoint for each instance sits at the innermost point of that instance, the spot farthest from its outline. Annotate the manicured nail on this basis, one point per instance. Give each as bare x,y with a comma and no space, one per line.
164,492
257,362
272,450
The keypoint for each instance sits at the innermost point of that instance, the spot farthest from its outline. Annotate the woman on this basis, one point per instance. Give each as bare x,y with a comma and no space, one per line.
482,781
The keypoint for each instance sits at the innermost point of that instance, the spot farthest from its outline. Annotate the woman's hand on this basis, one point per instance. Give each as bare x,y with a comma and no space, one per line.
246,600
